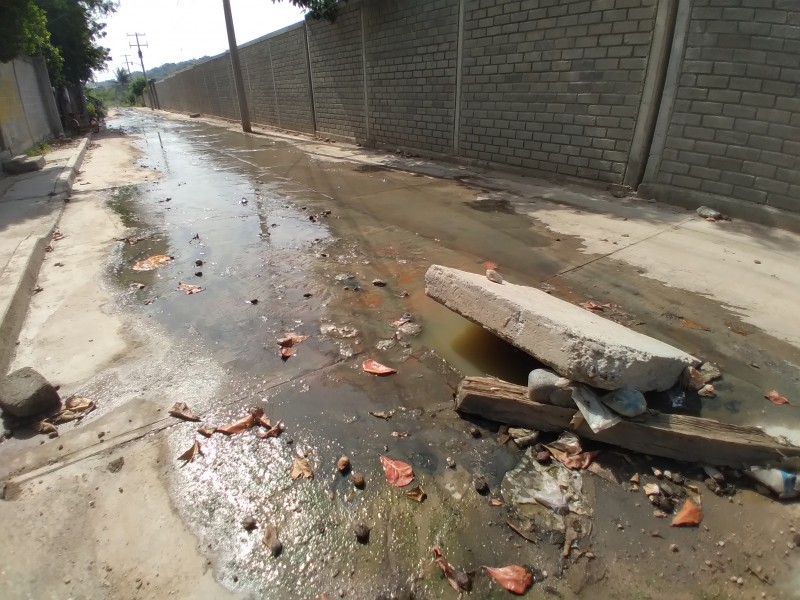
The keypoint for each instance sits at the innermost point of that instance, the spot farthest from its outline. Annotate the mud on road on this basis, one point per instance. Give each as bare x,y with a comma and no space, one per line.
282,239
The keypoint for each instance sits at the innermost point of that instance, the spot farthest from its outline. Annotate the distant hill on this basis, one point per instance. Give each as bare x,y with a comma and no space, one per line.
157,73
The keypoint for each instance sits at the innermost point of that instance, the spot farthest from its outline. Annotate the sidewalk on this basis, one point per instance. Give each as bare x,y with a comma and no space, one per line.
30,208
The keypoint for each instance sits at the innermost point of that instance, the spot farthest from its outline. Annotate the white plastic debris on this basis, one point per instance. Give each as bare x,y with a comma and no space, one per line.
596,415
626,402
782,483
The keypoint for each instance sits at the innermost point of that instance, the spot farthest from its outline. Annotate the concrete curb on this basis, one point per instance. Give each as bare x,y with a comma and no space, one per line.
18,279
70,172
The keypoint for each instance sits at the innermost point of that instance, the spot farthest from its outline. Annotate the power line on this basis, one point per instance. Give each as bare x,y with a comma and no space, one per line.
141,61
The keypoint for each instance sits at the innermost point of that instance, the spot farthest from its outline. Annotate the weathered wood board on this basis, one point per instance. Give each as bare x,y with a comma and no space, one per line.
680,437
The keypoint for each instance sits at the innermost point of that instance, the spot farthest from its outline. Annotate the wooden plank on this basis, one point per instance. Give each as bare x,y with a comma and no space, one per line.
680,437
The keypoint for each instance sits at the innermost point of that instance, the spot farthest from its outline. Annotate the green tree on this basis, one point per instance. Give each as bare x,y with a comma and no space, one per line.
136,89
65,32
318,9
122,76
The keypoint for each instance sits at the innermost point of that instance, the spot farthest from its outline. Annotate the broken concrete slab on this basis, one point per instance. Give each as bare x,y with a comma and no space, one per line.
23,164
574,342
26,393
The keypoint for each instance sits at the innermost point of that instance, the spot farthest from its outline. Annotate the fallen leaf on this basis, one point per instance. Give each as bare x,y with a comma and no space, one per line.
400,434
689,324
273,431
291,339
514,578
189,288
206,431
376,368
738,330
382,414
192,452
181,410
582,460
57,235
775,397
416,494
286,353
590,305
495,501
45,427
75,408
458,580
243,424
301,468
397,472
689,515
152,262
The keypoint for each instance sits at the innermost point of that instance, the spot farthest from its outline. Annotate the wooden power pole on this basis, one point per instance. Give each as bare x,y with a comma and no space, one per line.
237,68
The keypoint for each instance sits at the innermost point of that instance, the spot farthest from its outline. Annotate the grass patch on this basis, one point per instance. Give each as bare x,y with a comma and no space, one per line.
40,149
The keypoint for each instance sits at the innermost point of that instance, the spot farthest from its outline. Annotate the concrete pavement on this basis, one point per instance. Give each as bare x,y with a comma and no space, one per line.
30,208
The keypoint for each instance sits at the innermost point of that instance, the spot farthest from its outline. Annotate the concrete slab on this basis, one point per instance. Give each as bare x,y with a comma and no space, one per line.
574,342
23,164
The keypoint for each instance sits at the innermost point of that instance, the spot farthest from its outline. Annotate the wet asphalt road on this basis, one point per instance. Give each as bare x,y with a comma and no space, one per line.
305,237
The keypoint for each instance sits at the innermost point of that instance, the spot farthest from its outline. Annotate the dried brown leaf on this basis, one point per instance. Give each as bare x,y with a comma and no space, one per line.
291,339
181,410
189,288
582,460
514,578
286,352
397,472
416,494
495,501
400,434
206,431
244,423
273,431
689,324
382,414
301,468
192,452
458,580
152,262
45,427
591,305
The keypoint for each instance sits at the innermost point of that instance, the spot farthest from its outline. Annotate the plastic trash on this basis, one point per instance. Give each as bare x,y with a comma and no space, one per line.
782,483
597,416
626,402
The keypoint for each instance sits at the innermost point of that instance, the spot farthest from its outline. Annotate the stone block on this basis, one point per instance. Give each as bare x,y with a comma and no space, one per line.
574,342
23,164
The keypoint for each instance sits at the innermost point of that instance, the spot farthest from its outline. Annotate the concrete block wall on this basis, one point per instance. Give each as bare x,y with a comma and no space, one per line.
292,83
734,129
411,59
554,85
337,74
28,113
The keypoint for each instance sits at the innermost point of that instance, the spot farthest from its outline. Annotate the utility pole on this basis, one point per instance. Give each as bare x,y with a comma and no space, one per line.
237,68
141,61
127,62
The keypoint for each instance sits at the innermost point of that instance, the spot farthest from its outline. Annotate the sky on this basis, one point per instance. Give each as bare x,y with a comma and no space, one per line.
178,30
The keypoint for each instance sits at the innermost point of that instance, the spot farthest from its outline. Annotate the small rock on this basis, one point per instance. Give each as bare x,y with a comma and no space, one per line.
358,480
198,263
343,465
543,457
249,523
198,274
451,464
673,547
307,295
475,432
659,474
378,283
362,533
26,393
708,213
481,485
275,547
116,465
494,276
678,478
523,437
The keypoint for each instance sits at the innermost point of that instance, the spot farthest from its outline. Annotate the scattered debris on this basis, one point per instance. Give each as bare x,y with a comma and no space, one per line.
376,368
515,579
382,414
401,434
249,523
709,214
776,398
115,466
689,324
189,288
481,485
181,410
358,480
255,417
271,540
397,472
254,301
450,463
689,515
206,431
378,283
152,262
707,391
57,235
75,409
784,485
361,532
475,432
405,318
343,465
592,305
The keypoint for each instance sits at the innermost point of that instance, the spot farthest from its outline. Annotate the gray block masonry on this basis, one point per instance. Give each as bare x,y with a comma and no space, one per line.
574,342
